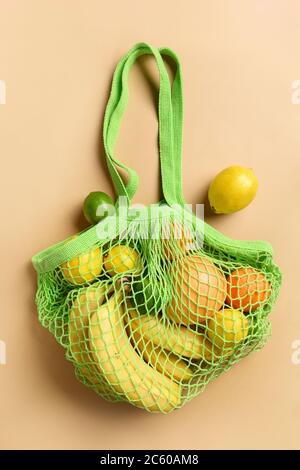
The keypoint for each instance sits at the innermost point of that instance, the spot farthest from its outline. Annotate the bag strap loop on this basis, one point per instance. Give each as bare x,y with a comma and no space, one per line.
170,111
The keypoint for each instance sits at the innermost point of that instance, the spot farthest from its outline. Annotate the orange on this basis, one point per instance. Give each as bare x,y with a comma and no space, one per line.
247,289
199,290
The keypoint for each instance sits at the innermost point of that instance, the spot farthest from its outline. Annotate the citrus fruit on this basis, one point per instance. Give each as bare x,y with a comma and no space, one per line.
146,297
232,189
247,289
227,329
83,268
122,259
96,206
176,239
199,290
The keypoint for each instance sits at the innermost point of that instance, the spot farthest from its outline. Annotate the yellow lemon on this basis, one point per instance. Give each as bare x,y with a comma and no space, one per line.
227,328
122,259
83,268
232,189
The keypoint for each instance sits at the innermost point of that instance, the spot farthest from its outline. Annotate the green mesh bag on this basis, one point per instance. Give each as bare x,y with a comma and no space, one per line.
151,304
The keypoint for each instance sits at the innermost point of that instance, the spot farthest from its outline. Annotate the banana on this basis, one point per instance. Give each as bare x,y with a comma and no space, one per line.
167,363
87,301
127,373
175,338
88,378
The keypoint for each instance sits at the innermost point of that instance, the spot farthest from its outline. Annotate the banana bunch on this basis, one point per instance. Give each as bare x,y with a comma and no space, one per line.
88,300
138,357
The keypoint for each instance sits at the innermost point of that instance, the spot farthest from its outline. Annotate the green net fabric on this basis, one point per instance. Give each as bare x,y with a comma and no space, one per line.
150,308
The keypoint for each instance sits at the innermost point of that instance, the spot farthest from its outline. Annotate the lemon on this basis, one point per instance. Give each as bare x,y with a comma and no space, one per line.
83,268
227,329
122,259
232,189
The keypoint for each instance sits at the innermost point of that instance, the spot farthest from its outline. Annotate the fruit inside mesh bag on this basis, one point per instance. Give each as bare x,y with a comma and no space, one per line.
151,320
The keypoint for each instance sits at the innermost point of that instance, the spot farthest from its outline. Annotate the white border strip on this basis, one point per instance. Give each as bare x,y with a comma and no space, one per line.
2,92
2,353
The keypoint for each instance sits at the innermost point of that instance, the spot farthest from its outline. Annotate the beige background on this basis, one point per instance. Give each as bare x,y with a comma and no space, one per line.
57,57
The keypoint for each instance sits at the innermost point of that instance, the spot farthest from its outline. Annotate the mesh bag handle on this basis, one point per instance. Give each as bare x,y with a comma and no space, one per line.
170,111
177,115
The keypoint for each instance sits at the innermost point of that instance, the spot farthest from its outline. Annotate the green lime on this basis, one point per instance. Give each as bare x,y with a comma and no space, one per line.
96,206
146,298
